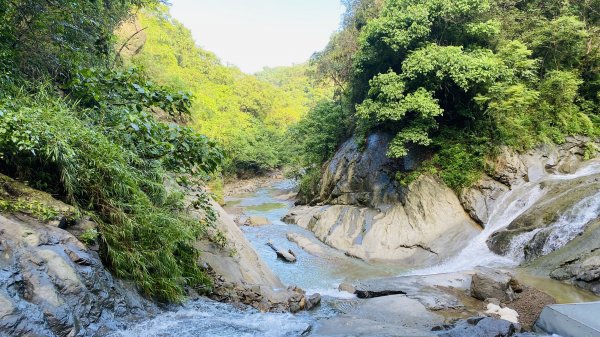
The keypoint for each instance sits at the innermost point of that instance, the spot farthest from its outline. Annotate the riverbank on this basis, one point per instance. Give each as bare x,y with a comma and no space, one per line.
322,268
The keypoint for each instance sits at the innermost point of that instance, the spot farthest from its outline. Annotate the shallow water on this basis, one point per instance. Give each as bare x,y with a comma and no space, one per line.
209,318
310,272
323,274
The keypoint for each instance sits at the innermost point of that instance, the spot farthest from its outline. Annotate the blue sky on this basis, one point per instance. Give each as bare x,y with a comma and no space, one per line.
252,34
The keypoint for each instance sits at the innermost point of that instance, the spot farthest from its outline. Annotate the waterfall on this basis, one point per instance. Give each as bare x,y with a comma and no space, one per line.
513,204
562,231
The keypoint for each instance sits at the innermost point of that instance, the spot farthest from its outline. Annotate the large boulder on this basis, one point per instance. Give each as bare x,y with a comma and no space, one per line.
426,227
362,211
481,327
395,315
489,283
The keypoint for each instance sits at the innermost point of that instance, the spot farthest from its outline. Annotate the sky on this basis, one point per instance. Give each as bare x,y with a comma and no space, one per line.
252,34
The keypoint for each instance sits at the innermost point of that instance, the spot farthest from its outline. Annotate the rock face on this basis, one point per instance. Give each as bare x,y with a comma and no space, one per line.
240,275
395,315
577,263
557,207
52,285
512,169
367,215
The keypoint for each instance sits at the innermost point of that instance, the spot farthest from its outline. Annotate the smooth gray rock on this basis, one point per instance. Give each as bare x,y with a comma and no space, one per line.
52,285
489,283
568,320
286,255
425,289
481,327
395,315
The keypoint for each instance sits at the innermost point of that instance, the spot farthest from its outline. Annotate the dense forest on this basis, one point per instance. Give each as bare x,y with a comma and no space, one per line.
100,101
458,80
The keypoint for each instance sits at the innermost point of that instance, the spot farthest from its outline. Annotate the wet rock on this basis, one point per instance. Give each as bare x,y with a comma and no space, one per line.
364,293
482,198
347,287
52,285
395,315
257,221
313,301
307,244
429,290
583,272
490,283
559,197
576,262
512,168
482,327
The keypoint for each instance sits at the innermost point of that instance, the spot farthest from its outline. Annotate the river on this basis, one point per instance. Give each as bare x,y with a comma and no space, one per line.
313,273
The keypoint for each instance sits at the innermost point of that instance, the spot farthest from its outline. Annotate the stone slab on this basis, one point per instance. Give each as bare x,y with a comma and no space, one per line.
571,320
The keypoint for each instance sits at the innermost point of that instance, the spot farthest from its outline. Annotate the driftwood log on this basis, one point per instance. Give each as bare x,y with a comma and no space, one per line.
286,255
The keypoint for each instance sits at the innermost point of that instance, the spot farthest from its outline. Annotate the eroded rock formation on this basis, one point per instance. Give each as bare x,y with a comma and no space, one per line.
362,211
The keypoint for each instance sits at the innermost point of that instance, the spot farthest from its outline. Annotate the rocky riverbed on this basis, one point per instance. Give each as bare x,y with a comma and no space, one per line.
370,258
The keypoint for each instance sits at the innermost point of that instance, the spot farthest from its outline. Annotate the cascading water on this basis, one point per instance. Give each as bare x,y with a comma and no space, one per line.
513,204
209,318
566,228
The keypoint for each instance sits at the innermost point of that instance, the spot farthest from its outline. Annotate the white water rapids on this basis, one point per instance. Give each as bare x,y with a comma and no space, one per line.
513,204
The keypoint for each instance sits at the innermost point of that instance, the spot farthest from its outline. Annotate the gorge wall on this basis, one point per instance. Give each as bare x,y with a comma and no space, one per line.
361,209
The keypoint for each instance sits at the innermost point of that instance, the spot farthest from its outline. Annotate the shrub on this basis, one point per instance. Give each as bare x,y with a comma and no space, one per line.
145,235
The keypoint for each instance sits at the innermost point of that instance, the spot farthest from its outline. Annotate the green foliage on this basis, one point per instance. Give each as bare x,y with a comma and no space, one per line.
89,236
53,37
248,115
308,186
145,235
460,165
123,105
107,144
463,77
319,134
33,208
561,43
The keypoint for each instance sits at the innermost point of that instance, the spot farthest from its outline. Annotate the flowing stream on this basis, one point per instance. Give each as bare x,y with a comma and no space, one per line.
513,204
323,274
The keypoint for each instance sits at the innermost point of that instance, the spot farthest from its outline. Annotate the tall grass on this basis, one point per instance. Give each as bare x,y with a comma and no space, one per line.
144,233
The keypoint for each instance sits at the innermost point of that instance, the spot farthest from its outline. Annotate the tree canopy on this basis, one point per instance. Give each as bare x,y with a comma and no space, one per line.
460,78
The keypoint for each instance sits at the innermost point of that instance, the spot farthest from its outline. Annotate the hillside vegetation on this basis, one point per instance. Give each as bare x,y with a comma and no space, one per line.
459,79
102,102
75,125
247,114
